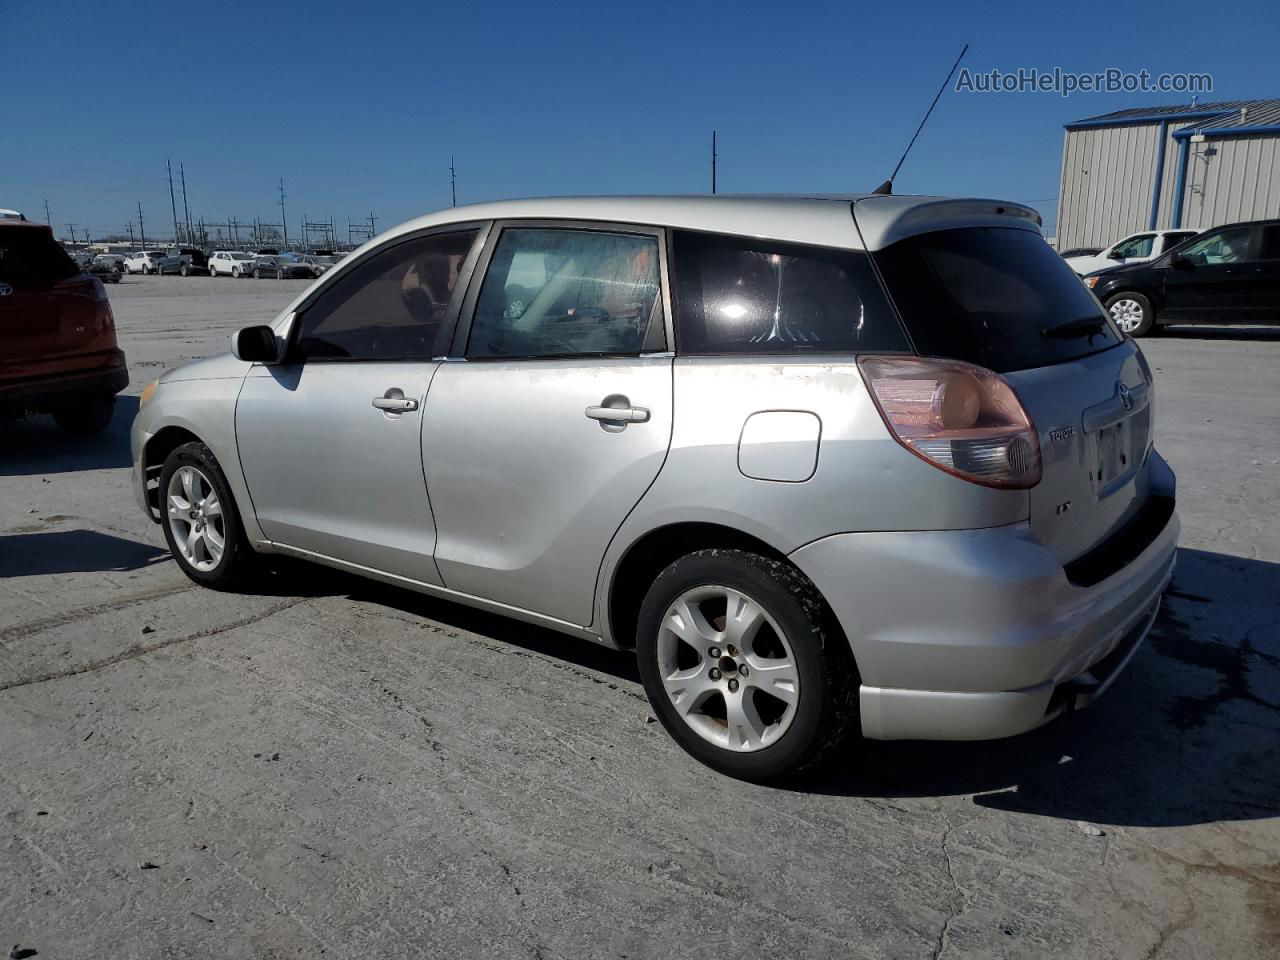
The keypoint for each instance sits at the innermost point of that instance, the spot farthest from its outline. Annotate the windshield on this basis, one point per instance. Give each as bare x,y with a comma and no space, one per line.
986,295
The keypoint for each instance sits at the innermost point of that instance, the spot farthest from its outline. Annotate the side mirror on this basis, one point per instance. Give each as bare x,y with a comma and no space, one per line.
1112,255
1179,262
256,345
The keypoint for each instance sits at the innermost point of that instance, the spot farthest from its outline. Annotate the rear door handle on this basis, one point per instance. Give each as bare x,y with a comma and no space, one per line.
394,401
619,414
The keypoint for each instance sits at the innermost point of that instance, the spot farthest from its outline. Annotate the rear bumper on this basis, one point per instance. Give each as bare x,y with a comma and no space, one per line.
978,634
109,375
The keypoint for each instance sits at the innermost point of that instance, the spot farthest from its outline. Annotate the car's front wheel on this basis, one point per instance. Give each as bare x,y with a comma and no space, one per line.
235,273
1132,313
184,270
200,520
743,664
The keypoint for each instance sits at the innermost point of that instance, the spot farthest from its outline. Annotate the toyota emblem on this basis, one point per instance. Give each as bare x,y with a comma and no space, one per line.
5,289
1125,396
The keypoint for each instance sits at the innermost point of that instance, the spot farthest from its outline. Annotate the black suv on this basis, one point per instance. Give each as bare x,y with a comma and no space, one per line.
1229,274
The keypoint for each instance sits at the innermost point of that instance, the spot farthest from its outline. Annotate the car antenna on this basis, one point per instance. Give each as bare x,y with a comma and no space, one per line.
886,188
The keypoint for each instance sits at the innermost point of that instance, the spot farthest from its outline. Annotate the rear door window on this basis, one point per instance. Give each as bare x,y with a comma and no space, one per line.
987,295
1269,248
739,295
564,292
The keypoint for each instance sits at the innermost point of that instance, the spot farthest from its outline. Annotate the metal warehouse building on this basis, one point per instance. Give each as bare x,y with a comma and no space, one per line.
1149,168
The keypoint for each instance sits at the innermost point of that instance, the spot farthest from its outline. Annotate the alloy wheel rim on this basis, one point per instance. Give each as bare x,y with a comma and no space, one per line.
195,519
1127,314
728,668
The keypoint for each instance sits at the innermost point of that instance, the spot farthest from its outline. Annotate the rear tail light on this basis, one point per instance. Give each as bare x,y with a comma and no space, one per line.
960,418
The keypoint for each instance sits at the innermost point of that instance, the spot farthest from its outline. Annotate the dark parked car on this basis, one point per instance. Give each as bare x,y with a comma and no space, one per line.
1230,274
58,351
184,261
105,269
283,266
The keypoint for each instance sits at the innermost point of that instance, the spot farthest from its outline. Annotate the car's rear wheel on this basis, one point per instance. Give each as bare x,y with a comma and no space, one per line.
257,274
1132,313
200,520
743,665
86,414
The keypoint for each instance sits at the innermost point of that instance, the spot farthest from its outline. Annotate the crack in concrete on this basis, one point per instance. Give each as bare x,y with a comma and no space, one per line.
140,650
958,900
48,623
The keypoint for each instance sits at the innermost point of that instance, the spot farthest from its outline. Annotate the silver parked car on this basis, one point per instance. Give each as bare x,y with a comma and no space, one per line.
879,464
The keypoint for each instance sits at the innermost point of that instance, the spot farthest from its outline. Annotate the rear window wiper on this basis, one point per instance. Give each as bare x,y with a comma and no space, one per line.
1076,328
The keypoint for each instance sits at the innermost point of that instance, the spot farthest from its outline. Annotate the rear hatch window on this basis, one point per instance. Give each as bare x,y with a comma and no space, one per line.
998,297
30,259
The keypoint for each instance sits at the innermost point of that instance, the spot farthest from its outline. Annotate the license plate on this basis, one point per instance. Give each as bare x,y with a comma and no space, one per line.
1112,454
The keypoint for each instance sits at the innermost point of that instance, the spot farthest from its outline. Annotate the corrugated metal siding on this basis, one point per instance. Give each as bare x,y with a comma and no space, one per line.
1164,219
1231,179
1106,184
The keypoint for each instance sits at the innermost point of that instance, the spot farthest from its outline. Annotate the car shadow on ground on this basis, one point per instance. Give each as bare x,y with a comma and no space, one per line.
39,446
1209,332
43,553
1186,735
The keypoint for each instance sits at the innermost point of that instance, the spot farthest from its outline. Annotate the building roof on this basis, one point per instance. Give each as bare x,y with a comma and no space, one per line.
1227,115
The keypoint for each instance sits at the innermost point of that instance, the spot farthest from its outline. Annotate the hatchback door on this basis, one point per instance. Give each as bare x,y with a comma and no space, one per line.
330,440
1000,298
553,418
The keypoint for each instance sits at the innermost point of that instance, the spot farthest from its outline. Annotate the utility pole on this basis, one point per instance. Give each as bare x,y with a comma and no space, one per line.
713,161
48,217
235,232
131,233
453,182
72,228
172,203
182,170
371,227
284,221
141,229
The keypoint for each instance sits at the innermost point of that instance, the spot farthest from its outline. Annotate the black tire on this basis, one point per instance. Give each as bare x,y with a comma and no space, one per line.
827,705
235,273
257,274
86,414
238,558
184,271
1148,319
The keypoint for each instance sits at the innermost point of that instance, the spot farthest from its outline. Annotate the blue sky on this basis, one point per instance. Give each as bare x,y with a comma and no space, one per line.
358,106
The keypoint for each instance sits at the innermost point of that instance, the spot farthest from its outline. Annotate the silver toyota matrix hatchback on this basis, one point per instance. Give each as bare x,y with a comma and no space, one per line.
876,464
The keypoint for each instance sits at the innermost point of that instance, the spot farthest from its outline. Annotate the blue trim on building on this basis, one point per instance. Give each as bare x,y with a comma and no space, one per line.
1158,180
1180,181
1187,132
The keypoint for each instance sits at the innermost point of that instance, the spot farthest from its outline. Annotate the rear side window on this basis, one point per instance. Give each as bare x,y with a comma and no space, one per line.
737,295
1269,249
987,295
390,307
30,257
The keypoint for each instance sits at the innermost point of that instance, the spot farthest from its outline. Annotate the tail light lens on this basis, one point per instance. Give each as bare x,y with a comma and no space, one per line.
963,419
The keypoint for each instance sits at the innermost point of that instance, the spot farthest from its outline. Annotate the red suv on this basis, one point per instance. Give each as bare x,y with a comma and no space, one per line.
58,350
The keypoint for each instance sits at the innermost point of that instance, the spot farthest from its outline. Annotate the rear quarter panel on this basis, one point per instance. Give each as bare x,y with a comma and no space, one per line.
863,479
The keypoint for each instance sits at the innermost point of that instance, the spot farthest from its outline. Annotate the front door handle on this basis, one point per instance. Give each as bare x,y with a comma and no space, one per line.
394,401
619,414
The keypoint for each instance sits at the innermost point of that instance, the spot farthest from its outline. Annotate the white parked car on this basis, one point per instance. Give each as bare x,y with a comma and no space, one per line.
230,263
144,261
1134,249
